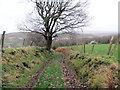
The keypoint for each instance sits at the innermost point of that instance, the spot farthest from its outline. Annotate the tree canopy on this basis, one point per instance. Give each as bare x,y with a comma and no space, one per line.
53,17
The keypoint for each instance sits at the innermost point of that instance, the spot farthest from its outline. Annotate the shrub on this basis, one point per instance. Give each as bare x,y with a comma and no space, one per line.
54,47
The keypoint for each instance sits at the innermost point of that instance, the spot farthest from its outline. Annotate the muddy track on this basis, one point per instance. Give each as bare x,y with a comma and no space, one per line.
31,83
70,78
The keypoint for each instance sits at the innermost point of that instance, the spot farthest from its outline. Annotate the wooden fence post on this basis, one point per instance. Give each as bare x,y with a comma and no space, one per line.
93,48
23,42
84,42
2,41
112,51
110,46
84,47
31,43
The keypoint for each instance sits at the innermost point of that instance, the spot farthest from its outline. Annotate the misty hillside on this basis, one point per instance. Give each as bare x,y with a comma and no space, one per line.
78,35
16,39
16,35
22,35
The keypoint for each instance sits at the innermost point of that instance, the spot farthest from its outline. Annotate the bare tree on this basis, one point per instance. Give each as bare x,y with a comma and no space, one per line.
53,17
35,39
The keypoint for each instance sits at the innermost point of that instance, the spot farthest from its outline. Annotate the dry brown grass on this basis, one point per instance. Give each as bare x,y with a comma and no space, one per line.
103,78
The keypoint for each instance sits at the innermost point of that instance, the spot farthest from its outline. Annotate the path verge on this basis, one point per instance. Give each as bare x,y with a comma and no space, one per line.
71,80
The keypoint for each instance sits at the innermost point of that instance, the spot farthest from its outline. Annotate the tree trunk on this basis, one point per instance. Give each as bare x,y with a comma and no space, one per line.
48,43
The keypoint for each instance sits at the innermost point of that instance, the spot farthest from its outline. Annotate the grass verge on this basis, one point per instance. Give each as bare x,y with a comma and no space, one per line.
97,71
19,64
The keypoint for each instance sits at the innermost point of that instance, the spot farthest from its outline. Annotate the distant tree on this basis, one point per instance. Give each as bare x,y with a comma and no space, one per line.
54,16
34,39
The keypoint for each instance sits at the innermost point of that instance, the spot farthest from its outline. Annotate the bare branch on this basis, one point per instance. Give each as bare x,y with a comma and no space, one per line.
54,17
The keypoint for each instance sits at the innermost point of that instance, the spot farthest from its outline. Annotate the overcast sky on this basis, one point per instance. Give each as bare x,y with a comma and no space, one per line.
104,14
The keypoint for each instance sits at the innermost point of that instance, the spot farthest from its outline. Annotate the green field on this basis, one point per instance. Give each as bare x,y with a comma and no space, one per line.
99,49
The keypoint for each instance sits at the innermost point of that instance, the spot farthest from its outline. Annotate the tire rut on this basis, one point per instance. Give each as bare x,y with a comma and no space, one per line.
31,83
70,78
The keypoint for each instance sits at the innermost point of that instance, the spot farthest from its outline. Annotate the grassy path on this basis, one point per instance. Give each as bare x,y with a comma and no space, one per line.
52,75
58,74
34,79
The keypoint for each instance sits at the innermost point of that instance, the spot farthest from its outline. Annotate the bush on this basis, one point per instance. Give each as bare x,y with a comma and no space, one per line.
54,47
